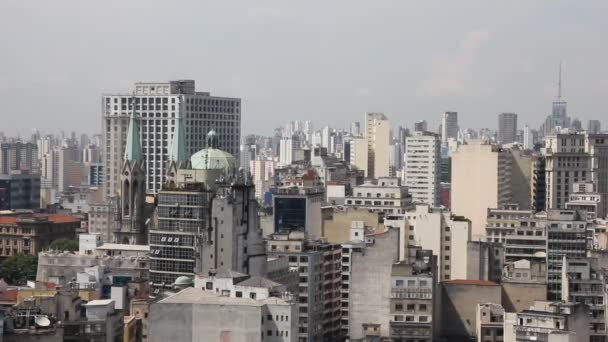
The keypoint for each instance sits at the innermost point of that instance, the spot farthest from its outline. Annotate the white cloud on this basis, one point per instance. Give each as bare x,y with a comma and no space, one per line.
451,73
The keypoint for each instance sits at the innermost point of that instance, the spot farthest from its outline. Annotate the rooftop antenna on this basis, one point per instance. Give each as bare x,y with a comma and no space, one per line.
559,83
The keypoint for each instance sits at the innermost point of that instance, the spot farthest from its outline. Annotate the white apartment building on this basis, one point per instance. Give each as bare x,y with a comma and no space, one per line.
157,105
422,162
287,149
387,195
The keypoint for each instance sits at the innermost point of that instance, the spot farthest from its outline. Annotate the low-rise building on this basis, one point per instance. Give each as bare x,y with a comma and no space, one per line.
548,321
101,323
207,315
32,233
384,195
490,322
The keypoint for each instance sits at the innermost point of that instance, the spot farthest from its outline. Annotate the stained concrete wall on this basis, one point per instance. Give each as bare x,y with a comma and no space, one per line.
371,284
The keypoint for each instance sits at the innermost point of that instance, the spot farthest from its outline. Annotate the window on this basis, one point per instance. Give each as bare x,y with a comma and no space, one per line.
422,307
399,283
423,318
398,307
252,295
209,285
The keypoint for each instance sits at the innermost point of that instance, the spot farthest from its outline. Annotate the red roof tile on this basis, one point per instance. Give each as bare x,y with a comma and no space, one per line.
55,218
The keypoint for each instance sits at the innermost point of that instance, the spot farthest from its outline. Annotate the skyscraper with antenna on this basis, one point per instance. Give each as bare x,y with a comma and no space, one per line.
559,112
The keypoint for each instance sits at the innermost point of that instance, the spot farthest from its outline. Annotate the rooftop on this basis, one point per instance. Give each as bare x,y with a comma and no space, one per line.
124,247
192,295
99,302
54,218
471,282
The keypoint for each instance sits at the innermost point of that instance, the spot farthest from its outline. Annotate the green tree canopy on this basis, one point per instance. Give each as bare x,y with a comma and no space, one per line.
18,269
64,245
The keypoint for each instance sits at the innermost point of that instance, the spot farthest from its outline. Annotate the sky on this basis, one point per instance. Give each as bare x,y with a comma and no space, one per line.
325,61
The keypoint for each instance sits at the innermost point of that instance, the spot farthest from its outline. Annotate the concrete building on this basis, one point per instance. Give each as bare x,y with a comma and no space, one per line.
449,127
458,306
594,127
19,190
523,283
378,133
157,104
480,180
385,195
584,198
572,158
298,208
445,234
32,233
210,316
507,128
489,322
101,323
583,282
287,151
548,321
17,156
413,297
370,286
421,126
422,167
566,238
319,266
359,154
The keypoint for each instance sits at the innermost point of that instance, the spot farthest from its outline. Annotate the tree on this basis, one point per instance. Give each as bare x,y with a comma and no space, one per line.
17,269
64,245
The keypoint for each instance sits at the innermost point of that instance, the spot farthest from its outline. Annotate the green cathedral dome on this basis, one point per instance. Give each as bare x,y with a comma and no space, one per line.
212,158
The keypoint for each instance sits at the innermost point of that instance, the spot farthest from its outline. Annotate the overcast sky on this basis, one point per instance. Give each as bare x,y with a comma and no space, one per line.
327,61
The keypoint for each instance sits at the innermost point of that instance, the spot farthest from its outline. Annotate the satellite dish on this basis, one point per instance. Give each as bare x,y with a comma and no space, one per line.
42,321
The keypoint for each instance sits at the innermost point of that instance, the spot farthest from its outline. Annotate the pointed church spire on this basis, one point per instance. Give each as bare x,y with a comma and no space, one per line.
133,146
178,144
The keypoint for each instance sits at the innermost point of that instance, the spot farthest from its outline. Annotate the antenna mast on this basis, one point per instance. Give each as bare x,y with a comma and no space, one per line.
559,83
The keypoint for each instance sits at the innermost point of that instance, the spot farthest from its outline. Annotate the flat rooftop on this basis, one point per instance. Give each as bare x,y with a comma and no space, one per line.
192,295
123,247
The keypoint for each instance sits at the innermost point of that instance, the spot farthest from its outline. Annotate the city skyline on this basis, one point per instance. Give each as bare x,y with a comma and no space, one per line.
401,62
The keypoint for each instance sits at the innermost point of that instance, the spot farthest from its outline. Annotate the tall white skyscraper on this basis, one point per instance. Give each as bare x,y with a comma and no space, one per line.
422,167
157,104
286,151
449,126
528,138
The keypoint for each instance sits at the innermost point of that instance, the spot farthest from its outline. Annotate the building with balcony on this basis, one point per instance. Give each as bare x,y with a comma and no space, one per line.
319,265
548,322
385,195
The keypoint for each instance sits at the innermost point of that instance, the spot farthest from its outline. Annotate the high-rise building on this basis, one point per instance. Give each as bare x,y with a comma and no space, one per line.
422,167
421,126
355,129
19,190
507,128
378,136
594,127
16,156
287,149
449,126
157,105
319,265
480,180
529,138
572,158
206,219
